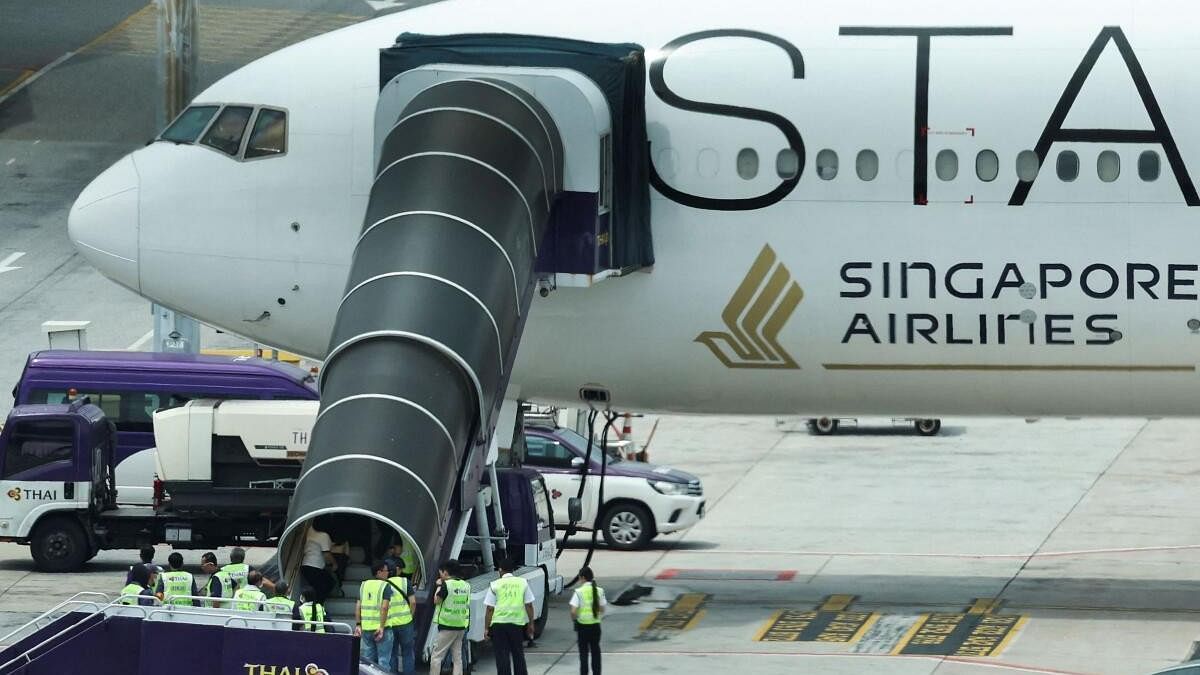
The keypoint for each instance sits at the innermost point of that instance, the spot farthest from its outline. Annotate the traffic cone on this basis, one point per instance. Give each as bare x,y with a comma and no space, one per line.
627,435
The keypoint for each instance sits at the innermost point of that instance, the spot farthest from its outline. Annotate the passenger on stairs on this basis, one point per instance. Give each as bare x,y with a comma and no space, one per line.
371,616
400,622
316,564
220,583
246,598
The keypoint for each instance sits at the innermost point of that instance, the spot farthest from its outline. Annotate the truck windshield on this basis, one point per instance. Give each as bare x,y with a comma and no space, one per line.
187,127
37,444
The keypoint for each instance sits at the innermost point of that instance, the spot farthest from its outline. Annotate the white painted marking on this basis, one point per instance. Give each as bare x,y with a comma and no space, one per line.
6,264
140,341
32,78
9,162
35,142
383,5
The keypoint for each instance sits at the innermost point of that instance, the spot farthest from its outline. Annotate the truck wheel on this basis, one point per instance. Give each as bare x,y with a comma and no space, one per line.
539,624
627,527
928,427
59,545
824,426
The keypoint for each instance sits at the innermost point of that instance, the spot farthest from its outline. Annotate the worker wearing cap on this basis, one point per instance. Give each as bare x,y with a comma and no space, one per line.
371,617
177,585
509,617
400,622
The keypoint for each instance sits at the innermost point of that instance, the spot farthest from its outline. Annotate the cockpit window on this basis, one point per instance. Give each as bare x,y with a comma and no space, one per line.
226,133
189,124
270,134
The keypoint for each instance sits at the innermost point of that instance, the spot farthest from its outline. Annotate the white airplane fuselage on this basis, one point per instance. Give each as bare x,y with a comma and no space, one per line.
917,295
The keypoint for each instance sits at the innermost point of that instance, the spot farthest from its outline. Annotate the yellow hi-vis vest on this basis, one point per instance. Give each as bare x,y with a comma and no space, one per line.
510,601
238,571
455,610
313,612
409,560
130,589
280,605
370,597
398,612
249,593
583,613
176,583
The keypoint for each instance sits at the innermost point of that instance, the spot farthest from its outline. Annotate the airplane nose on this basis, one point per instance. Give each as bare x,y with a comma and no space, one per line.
103,223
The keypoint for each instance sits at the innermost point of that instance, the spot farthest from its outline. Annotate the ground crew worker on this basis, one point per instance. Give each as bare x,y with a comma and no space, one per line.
146,555
587,608
237,568
244,597
138,589
509,603
452,614
176,584
400,623
281,603
371,616
220,583
401,557
311,612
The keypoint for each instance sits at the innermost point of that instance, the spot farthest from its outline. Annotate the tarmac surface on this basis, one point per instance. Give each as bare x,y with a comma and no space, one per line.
1057,547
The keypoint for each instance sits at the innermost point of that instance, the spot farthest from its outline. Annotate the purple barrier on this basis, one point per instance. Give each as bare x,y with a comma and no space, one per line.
101,647
259,652
34,639
180,648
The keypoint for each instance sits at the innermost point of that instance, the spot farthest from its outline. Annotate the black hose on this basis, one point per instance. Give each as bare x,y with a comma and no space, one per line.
587,463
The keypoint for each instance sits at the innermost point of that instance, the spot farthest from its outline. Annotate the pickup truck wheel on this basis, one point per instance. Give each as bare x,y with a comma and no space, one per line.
59,545
627,527
928,427
824,426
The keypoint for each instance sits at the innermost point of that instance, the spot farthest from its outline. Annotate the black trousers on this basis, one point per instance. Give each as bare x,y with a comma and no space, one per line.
319,580
589,642
509,642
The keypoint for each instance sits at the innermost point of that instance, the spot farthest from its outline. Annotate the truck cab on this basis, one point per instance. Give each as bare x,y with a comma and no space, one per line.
55,458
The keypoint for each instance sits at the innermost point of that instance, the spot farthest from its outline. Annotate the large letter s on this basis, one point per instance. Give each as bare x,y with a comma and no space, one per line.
659,85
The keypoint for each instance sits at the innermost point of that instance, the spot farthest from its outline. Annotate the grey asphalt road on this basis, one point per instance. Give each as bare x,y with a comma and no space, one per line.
62,128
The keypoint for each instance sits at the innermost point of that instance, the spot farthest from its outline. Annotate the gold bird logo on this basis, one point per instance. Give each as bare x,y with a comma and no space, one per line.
15,494
758,310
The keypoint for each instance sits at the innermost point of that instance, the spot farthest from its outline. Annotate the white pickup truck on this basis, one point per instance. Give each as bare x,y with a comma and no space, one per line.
641,501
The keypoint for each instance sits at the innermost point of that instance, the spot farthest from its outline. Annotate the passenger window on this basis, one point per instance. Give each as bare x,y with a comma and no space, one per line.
547,453
187,127
1148,166
747,163
130,411
1108,166
38,445
987,166
827,164
946,165
1027,165
866,165
269,136
226,133
1067,166
787,164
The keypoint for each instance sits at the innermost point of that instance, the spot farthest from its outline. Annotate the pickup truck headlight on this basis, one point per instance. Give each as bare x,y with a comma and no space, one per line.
667,487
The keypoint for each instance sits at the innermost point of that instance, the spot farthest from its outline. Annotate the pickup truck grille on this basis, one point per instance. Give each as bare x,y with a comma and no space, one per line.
695,489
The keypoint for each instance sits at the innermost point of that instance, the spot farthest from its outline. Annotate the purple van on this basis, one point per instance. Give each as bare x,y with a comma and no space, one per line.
130,386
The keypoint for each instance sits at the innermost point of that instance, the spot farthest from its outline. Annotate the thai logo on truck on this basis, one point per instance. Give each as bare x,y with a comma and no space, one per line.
758,310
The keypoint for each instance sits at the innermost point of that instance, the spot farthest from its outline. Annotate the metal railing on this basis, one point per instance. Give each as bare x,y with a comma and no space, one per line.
36,621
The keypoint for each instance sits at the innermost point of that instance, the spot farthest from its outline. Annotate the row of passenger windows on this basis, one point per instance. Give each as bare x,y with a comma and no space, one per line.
225,133
945,165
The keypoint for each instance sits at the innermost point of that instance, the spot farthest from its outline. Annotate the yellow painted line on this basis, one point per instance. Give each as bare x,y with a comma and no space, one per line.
837,603
984,605
1012,634
1009,368
768,625
865,627
117,28
917,625
649,620
266,354
25,75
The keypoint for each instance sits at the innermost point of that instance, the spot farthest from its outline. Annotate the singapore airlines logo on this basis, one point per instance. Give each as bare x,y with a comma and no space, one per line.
758,310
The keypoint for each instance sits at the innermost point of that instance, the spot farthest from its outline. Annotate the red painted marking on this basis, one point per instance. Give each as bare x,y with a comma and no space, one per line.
786,575
668,574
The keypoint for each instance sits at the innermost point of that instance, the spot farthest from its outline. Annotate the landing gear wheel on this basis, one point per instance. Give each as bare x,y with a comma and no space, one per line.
824,426
928,427
59,545
627,527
